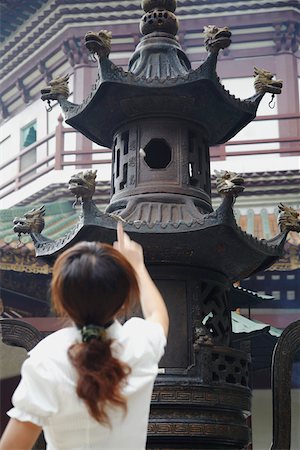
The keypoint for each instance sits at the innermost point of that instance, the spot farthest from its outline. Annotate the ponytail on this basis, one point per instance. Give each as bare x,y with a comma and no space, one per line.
91,282
101,377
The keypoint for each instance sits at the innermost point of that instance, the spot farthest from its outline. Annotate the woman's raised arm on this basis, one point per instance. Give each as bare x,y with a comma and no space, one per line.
152,303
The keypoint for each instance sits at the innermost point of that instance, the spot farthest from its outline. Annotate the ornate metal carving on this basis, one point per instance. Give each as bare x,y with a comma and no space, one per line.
216,38
19,334
230,367
176,393
283,357
229,183
192,414
264,82
98,43
82,184
149,5
58,88
214,313
32,222
201,336
159,17
159,20
288,219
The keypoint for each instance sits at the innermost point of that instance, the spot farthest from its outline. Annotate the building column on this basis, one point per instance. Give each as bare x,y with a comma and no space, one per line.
84,77
286,69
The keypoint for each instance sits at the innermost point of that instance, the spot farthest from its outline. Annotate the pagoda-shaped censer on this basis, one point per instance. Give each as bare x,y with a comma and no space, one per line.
160,118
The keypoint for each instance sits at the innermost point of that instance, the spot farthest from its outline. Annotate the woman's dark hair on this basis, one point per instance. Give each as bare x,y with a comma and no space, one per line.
91,282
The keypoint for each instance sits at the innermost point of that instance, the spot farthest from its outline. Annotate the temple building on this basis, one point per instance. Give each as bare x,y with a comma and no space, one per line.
39,152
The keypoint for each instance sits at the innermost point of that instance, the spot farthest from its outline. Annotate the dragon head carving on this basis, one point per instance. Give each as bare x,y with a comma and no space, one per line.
58,87
288,219
229,183
264,82
32,222
201,337
98,43
216,38
82,184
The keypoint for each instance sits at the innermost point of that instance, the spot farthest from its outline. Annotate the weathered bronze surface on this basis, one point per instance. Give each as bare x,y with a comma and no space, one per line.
159,118
57,87
264,82
20,334
288,219
283,357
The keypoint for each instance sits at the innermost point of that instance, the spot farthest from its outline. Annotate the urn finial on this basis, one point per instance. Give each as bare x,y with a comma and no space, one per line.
149,5
159,17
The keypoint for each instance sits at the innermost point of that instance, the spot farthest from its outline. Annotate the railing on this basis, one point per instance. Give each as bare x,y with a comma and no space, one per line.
57,157
286,146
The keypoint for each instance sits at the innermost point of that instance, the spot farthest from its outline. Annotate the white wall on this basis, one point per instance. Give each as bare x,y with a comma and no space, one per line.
243,88
262,419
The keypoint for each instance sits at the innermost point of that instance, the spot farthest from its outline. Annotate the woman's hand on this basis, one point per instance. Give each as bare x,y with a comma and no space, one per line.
132,251
152,303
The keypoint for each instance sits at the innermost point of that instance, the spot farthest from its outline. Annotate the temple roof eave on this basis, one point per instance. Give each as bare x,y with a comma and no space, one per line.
136,97
221,253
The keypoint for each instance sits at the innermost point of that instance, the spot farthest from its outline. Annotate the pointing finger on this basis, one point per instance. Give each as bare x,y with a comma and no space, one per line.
120,234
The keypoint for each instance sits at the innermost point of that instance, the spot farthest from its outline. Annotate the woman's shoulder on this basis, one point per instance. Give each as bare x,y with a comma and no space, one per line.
55,344
139,326
145,337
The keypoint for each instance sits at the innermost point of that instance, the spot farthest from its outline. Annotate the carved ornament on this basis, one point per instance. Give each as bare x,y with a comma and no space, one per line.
201,337
82,184
229,183
57,88
288,219
216,38
98,43
32,222
149,5
264,82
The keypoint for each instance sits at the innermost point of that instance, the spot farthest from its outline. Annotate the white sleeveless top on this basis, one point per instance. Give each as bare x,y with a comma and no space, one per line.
46,395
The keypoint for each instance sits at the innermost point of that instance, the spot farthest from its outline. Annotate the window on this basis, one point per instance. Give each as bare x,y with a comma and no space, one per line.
290,277
290,295
275,277
260,277
28,137
28,134
276,295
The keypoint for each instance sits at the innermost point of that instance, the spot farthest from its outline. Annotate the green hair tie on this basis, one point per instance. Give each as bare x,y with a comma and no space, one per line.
89,332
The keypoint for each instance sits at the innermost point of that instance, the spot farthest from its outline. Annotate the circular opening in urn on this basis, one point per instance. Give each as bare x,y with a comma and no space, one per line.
157,154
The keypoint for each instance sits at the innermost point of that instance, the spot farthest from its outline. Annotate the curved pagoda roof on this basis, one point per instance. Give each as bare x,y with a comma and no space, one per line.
160,82
196,95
